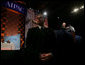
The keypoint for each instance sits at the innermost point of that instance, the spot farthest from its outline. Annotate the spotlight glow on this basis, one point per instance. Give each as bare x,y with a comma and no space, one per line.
45,13
75,10
82,7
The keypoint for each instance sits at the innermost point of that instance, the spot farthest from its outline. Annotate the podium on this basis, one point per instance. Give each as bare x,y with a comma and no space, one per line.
7,46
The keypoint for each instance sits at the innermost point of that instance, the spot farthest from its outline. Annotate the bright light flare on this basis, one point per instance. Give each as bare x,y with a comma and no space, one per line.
45,13
82,7
75,10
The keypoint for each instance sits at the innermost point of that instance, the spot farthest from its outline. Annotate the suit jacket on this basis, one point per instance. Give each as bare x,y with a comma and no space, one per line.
65,43
39,41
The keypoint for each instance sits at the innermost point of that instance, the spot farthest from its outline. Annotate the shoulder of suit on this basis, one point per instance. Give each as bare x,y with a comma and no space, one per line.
33,28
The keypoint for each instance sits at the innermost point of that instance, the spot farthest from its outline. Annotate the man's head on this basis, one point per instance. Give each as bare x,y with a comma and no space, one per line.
63,24
8,41
39,20
70,28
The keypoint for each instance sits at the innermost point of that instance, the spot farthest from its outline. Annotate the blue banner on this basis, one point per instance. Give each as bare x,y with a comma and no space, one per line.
15,6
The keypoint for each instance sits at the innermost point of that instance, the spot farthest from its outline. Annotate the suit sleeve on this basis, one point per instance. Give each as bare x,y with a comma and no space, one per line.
29,42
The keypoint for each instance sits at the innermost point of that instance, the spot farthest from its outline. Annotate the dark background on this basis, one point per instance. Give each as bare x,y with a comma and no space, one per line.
61,9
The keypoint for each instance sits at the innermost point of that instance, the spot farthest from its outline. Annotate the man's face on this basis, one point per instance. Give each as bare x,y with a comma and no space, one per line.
64,24
39,20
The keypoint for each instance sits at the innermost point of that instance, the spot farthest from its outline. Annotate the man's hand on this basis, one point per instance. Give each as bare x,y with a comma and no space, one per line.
45,56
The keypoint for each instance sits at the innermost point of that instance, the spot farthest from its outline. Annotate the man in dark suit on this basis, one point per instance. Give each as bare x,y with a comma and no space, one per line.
40,44
64,41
